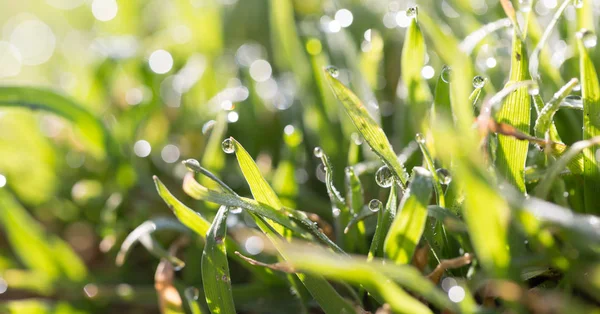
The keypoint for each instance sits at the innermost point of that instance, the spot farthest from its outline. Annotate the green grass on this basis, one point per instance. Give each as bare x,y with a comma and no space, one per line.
448,164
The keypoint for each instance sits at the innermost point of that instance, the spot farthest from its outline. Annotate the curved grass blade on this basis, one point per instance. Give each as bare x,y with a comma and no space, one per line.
215,267
473,39
590,92
545,185
534,60
407,228
96,137
546,115
195,222
143,234
374,276
213,156
384,221
512,153
368,128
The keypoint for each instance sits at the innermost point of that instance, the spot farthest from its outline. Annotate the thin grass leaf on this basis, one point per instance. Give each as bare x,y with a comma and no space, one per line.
213,156
215,267
92,131
413,60
429,163
585,15
472,40
534,60
354,203
373,276
319,288
407,228
385,219
545,184
143,234
512,153
546,115
195,222
368,128
441,101
590,92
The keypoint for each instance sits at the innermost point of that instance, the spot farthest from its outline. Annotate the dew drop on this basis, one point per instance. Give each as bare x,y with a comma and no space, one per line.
192,293
349,170
192,164
208,126
333,71
228,146
444,176
384,177
412,12
318,152
588,38
235,210
445,75
420,138
375,205
478,81
525,5
578,4
533,90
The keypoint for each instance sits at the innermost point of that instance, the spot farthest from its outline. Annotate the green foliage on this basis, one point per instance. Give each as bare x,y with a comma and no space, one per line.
302,118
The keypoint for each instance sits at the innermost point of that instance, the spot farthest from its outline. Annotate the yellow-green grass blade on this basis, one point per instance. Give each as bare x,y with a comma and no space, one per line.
418,93
215,267
488,229
375,276
585,14
92,131
385,218
516,111
590,92
213,156
195,222
406,230
319,288
354,202
368,128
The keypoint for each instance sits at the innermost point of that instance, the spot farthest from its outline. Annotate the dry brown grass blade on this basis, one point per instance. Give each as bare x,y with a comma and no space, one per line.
445,264
169,300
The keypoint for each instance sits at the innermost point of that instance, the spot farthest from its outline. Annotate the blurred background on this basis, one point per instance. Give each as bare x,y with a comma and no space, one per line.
167,80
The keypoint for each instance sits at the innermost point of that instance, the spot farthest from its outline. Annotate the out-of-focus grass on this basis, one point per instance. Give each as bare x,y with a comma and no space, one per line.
99,98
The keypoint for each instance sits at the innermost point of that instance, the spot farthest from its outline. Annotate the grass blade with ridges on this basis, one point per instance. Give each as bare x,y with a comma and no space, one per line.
366,125
406,230
215,267
516,111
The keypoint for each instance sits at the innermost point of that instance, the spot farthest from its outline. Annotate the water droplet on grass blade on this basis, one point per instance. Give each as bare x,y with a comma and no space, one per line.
333,71
235,210
412,12
525,5
228,146
208,126
318,152
444,176
478,81
445,75
192,293
533,90
384,177
192,165
420,138
375,205
588,38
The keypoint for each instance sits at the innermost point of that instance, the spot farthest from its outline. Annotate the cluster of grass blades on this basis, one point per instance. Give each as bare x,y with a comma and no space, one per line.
482,203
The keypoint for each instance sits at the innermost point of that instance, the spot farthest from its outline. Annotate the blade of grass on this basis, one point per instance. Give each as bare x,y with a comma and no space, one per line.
385,218
407,228
215,267
319,288
366,125
512,153
590,91
354,202
92,131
